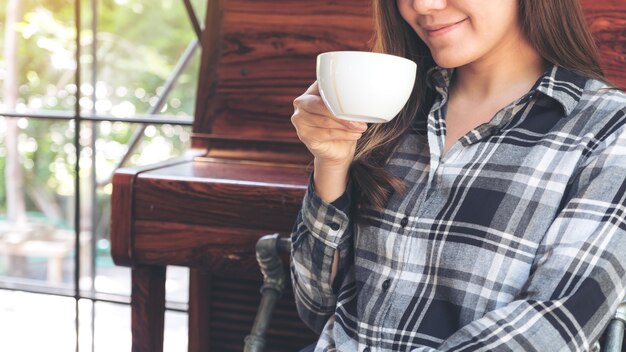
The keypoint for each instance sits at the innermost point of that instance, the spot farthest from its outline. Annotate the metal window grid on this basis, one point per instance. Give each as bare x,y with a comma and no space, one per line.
151,118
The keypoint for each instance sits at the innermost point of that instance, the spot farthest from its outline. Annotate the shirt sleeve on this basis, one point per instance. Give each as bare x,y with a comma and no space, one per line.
578,277
320,229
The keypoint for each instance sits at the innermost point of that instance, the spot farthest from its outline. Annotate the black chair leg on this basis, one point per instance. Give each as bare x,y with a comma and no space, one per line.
614,333
268,249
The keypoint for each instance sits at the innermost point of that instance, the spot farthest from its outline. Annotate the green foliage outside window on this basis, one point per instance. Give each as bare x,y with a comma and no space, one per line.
138,42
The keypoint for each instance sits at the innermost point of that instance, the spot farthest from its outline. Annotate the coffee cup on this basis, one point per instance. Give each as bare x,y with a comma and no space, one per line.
364,86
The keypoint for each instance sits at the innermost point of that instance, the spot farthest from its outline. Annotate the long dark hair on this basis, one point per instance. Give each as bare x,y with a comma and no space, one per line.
555,28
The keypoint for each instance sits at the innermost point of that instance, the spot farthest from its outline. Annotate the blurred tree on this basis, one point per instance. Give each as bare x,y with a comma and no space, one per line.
138,43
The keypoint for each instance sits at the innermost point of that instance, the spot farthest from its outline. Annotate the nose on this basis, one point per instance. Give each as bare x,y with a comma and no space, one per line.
427,6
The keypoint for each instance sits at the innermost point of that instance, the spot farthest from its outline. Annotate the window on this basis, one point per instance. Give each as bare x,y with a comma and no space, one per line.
65,126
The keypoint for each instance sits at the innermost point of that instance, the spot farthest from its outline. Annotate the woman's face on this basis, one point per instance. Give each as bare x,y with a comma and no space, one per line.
460,32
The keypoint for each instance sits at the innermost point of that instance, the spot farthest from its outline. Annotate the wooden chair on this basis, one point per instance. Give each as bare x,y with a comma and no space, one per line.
246,172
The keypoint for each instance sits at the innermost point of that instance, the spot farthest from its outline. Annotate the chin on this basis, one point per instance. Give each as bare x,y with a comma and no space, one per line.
449,60
446,65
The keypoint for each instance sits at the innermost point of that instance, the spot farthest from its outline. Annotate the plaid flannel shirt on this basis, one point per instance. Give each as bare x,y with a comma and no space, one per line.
514,240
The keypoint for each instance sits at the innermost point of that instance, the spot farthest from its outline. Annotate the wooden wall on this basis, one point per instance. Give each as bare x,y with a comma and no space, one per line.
607,21
264,56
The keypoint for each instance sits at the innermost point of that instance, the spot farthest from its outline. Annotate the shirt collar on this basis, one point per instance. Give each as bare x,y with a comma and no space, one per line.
558,83
562,85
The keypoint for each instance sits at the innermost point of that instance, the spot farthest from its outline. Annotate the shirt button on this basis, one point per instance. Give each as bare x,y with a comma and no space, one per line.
386,284
404,221
334,226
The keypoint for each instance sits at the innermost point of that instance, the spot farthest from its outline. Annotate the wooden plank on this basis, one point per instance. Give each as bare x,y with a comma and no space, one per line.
266,56
218,204
199,310
148,308
217,248
122,199
236,148
266,198
210,42
122,217
266,116
209,170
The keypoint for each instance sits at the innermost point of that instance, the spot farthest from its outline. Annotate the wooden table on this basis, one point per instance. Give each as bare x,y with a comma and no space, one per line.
207,215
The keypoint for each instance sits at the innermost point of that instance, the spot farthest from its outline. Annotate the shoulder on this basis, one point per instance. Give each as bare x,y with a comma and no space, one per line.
599,100
601,111
599,92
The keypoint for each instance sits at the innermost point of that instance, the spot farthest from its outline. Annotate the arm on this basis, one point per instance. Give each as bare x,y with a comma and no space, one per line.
579,274
330,183
321,230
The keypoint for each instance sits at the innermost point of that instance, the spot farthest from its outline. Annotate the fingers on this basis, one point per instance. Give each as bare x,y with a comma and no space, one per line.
313,89
311,134
322,121
310,103
319,129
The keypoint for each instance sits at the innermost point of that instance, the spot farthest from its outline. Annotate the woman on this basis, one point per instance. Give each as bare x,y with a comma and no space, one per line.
490,214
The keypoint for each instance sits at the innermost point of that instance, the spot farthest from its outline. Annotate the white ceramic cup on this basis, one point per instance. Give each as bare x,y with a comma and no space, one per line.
364,86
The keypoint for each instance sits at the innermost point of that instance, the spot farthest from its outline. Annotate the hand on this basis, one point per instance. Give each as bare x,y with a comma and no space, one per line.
331,141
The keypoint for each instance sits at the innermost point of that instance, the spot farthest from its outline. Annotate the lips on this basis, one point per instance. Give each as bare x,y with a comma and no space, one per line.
440,29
